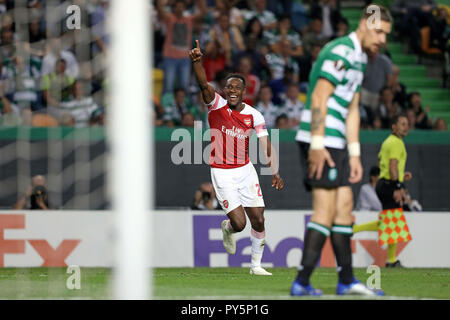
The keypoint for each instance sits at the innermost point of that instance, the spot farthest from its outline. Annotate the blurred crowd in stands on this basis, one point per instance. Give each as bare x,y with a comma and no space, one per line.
50,74
54,76
274,44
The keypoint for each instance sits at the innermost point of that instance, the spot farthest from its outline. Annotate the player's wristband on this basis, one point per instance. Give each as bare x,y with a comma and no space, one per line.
317,143
354,149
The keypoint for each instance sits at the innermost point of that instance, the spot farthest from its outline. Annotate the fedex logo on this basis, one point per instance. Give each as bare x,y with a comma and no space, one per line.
53,257
275,253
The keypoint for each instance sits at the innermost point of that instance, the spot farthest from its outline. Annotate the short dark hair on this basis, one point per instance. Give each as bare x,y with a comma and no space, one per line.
237,76
374,171
385,15
397,117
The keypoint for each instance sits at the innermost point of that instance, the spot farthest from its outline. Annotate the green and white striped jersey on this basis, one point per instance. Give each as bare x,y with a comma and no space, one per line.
342,62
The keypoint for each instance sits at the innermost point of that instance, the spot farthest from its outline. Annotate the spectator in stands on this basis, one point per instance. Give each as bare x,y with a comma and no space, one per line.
175,105
282,122
79,105
252,81
267,18
56,85
205,198
26,85
254,33
284,31
177,65
378,74
377,123
278,62
367,198
411,115
36,196
236,17
412,16
415,103
228,37
440,125
305,64
292,106
37,36
100,37
280,7
187,120
342,28
313,34
387,108
216,58
55,52
328,12
279,86
7,47
219,82
256,49
398,88
266,106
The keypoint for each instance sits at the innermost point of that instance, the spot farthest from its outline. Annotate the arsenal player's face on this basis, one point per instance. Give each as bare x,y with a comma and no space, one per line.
234,90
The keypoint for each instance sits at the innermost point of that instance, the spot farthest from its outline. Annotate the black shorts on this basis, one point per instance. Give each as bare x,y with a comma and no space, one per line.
385,192
331,177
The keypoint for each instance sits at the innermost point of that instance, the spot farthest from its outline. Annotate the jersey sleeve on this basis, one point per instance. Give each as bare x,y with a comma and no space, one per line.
335,63
217,103
259,124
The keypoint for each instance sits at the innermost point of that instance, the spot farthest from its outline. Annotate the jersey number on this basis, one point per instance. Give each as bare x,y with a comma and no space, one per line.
258,187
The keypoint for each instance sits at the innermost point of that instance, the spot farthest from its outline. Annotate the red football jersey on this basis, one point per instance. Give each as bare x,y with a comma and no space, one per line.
231,131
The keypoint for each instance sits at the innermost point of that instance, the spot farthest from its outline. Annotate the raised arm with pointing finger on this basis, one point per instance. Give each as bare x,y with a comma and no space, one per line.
207,90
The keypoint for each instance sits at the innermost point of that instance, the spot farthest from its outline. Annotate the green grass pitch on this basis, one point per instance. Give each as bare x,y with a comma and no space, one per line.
217,283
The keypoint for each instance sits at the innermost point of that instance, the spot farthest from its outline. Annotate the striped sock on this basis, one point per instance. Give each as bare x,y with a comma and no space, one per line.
315,237
340,239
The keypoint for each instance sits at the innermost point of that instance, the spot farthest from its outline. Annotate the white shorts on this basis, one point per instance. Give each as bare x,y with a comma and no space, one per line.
237,187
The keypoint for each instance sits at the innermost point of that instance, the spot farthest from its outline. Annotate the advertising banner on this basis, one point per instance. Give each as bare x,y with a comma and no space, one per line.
194,239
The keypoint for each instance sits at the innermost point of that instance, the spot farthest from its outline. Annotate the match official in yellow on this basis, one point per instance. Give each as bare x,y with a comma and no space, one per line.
391,224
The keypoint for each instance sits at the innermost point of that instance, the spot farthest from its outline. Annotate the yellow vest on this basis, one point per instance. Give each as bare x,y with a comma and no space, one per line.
392,148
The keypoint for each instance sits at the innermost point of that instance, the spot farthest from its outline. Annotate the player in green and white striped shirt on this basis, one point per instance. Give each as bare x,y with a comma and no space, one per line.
330,126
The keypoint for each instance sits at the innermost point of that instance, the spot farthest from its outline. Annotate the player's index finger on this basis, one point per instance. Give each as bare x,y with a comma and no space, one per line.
198,44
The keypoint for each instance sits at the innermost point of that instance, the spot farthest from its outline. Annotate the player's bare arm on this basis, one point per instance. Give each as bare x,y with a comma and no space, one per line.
207,90
317,153
352,127
272,160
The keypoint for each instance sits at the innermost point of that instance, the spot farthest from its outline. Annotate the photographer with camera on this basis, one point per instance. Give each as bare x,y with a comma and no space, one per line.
205,198
36,196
